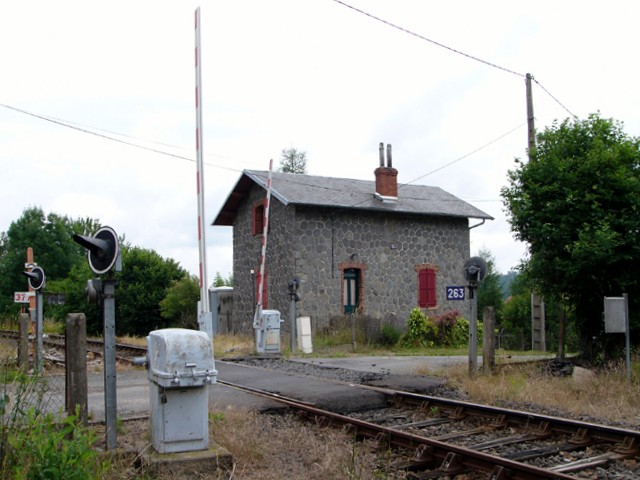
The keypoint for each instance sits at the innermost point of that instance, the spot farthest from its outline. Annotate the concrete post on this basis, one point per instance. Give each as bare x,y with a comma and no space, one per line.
76,370
23,341
488,340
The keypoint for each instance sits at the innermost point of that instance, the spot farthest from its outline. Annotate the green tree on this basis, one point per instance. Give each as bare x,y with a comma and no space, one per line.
293,161
179,306
73,286
219,281
489,290
515,327
50,237
576,204
143,283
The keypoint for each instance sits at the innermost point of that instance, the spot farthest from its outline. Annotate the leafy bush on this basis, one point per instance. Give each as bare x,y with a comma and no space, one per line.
459,334
421,332
35,445
44,449
446,324
389,335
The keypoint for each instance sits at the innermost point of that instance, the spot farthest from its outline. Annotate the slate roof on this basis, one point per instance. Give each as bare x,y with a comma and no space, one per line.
297,189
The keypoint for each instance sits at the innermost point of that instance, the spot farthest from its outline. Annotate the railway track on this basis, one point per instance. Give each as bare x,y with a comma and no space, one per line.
433,437
440,438
124,352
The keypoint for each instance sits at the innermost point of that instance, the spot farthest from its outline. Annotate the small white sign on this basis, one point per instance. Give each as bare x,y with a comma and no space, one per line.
615,317
22,297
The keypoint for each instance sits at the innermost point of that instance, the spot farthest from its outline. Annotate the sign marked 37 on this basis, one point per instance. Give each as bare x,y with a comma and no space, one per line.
22,297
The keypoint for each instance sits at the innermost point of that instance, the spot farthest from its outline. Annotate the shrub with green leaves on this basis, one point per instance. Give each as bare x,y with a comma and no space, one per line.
421,332
389,335
46,449
37,445
459,333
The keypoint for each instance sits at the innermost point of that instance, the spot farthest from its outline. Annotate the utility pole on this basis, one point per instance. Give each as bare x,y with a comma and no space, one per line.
538,337
530,118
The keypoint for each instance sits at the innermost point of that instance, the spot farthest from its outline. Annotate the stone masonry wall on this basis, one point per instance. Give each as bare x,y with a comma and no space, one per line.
387,248
312,244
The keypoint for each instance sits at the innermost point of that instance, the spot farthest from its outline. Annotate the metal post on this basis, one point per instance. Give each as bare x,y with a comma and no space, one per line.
204,314
110,401
292,322
473,333
626,333
39,349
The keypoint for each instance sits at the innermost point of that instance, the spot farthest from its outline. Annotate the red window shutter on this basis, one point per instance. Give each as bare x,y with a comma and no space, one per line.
257,220
431,288
427,288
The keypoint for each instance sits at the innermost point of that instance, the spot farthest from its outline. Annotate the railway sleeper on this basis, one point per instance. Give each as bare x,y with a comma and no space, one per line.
542,452
502,442
423,423
585,463
452,465
421,464
467,433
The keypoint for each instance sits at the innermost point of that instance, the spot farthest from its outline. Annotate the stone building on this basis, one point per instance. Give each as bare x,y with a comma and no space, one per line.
368,247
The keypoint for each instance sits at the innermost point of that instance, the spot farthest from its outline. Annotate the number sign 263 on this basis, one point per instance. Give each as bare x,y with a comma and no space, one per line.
455,293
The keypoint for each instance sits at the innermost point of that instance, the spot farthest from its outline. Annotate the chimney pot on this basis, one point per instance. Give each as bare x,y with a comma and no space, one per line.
386,178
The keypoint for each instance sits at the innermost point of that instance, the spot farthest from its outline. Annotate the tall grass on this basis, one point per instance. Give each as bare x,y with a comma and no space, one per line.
39,445
605,395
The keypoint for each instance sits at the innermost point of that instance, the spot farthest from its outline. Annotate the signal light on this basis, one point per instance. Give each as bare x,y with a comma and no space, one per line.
102,249
36,278
475,269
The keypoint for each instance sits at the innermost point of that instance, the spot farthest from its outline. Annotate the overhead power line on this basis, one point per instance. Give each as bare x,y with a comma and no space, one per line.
446,47
421,37
554,98
67,124
71,125
466,155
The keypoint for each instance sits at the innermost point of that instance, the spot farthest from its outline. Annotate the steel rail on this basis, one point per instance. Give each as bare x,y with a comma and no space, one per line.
451,458
579,430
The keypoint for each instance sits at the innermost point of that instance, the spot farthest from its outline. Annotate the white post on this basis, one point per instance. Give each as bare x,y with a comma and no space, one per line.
204,313
258,324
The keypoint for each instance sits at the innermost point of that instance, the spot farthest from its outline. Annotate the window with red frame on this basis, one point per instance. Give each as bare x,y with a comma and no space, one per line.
257,223
427,288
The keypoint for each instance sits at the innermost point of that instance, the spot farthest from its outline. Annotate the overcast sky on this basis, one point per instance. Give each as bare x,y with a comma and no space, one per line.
315,75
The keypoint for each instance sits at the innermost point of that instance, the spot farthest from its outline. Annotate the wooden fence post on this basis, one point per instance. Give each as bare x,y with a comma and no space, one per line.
488,340
76,372
23,341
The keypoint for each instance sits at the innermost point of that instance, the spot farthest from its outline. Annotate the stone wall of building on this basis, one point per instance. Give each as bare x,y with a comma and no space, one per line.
387,248
314,244
246,259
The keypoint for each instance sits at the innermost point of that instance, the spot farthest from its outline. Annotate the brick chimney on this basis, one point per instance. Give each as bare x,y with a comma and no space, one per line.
386,178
